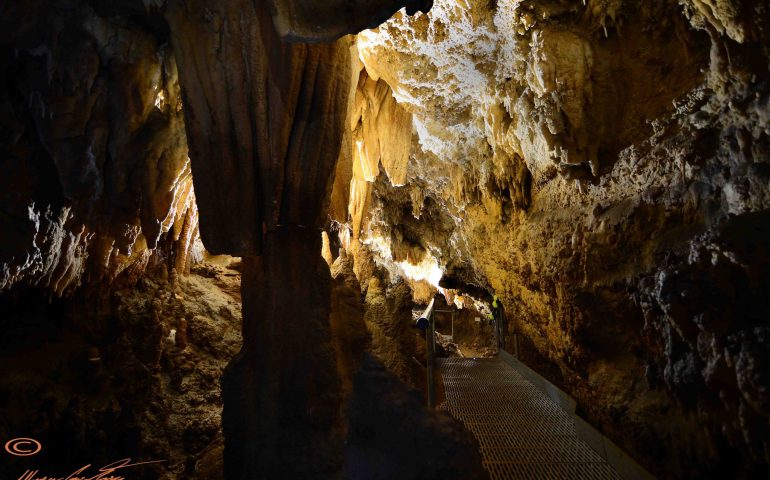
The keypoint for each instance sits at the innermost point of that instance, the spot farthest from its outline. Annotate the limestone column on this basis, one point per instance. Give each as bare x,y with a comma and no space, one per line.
264,124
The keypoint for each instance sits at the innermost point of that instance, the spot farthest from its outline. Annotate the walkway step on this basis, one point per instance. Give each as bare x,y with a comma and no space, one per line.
522,433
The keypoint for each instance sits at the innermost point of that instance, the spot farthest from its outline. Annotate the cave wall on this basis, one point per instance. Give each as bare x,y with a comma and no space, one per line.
95,171
103,100
107,352
122,370
602,167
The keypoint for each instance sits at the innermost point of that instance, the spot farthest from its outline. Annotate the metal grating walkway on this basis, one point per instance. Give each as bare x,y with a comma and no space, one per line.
522,433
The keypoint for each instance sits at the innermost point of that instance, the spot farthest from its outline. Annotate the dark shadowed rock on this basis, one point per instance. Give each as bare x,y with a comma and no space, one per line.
324,20
393,435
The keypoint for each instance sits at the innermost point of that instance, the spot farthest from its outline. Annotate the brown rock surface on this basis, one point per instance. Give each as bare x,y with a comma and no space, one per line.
282,391
602,168
125,371
264,121
265,124
94,157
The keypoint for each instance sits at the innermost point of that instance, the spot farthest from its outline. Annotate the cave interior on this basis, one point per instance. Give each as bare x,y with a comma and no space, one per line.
222,225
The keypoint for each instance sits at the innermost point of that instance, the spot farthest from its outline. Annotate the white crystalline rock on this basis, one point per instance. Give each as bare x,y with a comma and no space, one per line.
481,80
57,256
428,269
447,72
722,15
453,45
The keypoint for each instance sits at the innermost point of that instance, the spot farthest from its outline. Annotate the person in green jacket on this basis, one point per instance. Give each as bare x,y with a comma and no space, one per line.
498,313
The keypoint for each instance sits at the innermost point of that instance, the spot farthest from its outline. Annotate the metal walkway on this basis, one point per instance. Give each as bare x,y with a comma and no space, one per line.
522,433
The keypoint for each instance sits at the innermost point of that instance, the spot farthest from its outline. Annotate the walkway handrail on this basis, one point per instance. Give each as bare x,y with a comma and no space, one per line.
423,322
426,323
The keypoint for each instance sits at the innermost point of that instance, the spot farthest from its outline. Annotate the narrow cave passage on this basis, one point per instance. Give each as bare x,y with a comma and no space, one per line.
408,239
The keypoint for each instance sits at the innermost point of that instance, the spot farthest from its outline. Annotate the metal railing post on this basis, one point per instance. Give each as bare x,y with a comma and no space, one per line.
427,322
431,342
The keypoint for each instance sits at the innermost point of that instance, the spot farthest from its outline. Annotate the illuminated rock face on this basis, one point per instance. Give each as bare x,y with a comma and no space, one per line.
97,142
601,168
96,178
600,165
94,137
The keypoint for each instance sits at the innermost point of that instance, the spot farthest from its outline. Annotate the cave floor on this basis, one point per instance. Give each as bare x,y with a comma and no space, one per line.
521,432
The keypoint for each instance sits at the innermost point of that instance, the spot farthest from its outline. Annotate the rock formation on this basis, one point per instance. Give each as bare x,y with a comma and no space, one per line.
600,166
265,123
96,137
125,369
95,166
